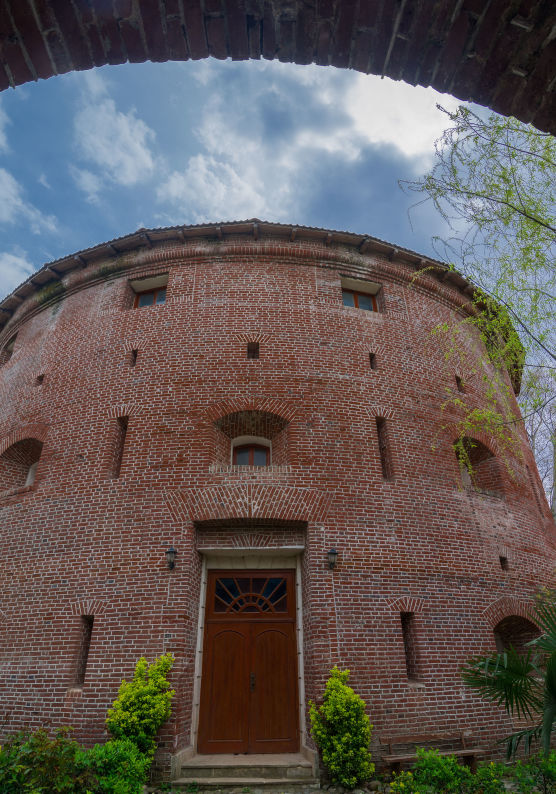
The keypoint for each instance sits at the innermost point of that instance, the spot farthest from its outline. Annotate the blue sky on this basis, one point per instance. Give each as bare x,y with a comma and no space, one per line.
90,156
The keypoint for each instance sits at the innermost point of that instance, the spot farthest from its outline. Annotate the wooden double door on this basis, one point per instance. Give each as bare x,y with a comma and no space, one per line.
249,700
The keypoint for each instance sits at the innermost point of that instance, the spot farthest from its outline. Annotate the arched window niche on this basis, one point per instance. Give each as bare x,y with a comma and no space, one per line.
19,463
481,470
514,631
251,438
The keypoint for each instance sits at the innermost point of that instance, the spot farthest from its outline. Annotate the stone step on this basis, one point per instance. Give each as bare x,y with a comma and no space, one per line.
246,785
286,766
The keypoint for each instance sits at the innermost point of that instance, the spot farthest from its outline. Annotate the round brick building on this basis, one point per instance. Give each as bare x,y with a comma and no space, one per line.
267,401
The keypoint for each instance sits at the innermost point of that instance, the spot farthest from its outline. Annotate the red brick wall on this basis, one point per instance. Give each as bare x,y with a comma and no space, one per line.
79,542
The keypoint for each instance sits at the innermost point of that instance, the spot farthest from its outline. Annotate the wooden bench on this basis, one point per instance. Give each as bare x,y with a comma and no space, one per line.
398,754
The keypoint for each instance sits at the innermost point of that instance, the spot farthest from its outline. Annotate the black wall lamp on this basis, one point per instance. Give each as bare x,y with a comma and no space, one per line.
332,557
171,557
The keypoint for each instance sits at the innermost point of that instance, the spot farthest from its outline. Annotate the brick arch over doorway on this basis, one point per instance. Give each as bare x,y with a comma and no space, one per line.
496,53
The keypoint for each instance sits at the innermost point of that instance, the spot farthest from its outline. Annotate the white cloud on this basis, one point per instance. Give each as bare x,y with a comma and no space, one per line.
89,183
398,114
42,180
14,268
209,188
95,83
242,171
117,143
14,208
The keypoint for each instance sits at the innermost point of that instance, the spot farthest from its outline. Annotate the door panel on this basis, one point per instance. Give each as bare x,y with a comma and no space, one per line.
223,723
273,712
249,701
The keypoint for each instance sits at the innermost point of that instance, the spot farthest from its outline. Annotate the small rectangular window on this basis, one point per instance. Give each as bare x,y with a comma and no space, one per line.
149,291
252,349
459,384
150,298
119,443
86,632
504,563
359,300
372,360
133,358
383,448
409,644
39,380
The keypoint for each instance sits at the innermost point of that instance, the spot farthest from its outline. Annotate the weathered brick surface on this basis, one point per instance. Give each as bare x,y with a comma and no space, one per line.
81,542
488,53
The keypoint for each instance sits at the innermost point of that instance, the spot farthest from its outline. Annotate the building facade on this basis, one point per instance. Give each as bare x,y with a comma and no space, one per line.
255,397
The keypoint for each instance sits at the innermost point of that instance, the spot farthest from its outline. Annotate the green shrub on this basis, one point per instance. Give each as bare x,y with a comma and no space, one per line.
41,764
488,779
342,732
441,772
405,783
143,704
118,767
536,773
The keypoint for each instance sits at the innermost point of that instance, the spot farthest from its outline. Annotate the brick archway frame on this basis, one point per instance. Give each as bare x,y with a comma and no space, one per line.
506,607
488,52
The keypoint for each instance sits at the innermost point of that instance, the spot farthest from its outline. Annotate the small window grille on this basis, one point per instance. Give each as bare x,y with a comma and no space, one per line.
252,349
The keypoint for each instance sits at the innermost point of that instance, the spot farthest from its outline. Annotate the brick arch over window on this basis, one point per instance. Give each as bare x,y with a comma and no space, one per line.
505,607
424,43
485,473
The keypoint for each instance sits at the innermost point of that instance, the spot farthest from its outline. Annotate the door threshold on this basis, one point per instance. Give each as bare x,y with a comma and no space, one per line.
247,759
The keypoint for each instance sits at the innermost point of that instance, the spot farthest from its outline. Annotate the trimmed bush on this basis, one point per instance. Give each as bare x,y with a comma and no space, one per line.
342,732
143,704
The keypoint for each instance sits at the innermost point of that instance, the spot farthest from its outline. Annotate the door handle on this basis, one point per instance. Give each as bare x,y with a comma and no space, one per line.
252,682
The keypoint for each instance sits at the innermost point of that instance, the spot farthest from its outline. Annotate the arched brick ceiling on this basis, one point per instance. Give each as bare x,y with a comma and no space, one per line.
500,53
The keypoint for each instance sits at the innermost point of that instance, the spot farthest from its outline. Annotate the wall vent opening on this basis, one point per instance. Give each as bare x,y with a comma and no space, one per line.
409,644
85,634
119,444
39,380
384,448
252,349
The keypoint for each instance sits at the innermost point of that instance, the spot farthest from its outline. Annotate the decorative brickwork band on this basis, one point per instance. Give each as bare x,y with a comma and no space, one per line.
253,336
407,604
127,409
36,431
268,405
88,606
379,411
505,607
218,503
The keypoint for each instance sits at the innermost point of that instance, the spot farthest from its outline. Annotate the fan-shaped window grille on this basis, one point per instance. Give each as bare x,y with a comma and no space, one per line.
264,594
